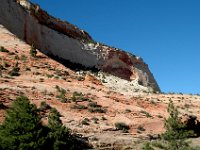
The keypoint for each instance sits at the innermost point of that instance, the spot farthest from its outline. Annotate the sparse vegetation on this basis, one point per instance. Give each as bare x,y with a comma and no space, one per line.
2,49
97,110
80,78
93,107
93,104
147,146
141,128
103,118
44,106
15,70
95,120
85,121
33,51
23,58
2,106
176,135
122,126
146,113
61,94
127,110
79,97
78,106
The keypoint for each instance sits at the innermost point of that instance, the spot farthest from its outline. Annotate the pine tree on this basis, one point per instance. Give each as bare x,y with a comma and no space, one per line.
22,128
176,132
59,135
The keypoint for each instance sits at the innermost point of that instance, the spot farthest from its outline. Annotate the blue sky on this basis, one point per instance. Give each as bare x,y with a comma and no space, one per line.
165,33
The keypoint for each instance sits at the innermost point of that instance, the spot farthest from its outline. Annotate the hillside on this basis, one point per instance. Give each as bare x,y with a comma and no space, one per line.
40,76
91,99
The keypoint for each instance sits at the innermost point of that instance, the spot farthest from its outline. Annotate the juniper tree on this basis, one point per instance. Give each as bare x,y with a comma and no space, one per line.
176,132
22,128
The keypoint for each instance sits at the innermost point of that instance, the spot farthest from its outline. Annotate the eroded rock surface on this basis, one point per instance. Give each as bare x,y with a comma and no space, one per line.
65,41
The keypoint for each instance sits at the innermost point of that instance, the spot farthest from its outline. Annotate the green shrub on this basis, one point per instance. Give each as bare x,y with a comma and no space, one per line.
141,128
44,106
95,120
148,115
15,70
103,118
61,94
93,104
2,106
78,106
33,51
97,110
77,96
23,58
2,49
147,146
176,134
127,110
22,130
85,121
122,126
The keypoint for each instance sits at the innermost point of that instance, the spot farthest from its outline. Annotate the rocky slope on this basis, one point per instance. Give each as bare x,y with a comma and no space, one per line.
40,78
71,45
91,103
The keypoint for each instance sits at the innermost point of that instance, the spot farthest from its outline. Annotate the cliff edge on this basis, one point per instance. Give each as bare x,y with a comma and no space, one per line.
66,42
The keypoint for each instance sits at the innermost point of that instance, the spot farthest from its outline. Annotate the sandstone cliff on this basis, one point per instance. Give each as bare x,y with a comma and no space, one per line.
65,41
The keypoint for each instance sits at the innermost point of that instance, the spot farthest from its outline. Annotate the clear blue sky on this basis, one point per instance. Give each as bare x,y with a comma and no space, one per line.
165,33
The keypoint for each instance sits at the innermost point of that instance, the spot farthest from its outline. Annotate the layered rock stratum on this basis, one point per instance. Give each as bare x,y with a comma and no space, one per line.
42,79
71,45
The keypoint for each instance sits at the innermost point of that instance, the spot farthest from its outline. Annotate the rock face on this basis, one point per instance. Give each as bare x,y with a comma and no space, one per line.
65,41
